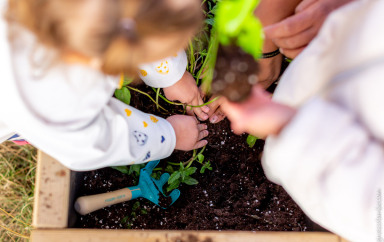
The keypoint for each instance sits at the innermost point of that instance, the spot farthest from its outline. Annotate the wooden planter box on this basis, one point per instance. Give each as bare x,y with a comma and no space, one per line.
54,215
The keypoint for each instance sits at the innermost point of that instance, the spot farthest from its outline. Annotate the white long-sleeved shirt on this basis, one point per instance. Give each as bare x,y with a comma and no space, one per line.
68,110
330,157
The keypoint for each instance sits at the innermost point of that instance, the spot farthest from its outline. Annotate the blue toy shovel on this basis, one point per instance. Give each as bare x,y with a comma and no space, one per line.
149,188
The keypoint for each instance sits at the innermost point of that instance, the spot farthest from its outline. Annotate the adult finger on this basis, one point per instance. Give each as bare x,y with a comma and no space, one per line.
292,53
304,5
200,144
297,41
217,116
290,26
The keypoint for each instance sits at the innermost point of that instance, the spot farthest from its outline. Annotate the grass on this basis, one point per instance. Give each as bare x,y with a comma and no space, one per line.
17,182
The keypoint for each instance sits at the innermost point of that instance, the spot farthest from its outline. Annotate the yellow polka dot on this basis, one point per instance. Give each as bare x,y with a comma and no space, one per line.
143,72
128,112
121,82
154,119
145,124
175,55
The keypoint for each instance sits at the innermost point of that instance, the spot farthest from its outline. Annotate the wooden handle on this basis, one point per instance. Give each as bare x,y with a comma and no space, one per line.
88,204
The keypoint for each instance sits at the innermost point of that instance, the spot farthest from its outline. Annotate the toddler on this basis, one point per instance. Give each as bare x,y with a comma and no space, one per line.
61,62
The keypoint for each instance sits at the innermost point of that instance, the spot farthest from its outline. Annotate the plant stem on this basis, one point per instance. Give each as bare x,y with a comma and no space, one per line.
195,156
182,104
146,94
157,98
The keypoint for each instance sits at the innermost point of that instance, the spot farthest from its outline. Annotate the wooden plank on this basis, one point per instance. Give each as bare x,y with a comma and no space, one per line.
98,235
51,193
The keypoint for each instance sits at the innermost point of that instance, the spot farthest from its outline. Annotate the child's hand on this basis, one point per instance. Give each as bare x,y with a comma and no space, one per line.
186,91
258,115
189,132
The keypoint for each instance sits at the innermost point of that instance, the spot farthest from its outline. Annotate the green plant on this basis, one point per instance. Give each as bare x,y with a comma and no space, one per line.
251,140
129,170
183,175
123,93
207,165
237,24
233,23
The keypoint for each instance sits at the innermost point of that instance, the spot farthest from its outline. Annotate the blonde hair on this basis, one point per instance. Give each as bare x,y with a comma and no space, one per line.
115,30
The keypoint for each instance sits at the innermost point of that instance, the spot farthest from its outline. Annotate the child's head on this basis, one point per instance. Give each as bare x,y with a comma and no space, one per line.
119,33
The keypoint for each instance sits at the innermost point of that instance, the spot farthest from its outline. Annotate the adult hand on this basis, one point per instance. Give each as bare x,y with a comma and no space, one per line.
215,113
294,33
189,132
186,91
258,115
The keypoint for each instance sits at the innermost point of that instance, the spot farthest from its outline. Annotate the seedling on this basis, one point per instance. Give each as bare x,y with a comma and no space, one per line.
183,175
123,93
251,140
207,165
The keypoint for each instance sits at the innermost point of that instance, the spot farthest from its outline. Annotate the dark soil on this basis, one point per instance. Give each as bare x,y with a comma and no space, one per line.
235,195
235,73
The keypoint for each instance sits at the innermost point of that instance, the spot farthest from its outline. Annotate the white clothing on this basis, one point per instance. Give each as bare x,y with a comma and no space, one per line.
330,157
68,110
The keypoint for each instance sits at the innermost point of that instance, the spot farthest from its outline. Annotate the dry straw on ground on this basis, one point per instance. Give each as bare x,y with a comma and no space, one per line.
17,179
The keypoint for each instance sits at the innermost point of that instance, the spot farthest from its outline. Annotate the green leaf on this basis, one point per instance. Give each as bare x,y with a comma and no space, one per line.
251,140
122,169
207,165
135,169
235,21
169,169
210,21
174,177
136,205
143,211
190,181
200,158
183,175
174,185
123,95
124,220
190,171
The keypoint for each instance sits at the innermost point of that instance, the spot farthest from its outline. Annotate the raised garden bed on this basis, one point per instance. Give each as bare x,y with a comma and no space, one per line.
54,217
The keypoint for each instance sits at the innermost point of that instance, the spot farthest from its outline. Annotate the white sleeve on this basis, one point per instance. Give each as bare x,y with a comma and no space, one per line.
166,72
118,135
332,167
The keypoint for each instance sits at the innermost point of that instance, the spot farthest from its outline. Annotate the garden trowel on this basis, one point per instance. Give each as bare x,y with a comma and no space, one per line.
149,188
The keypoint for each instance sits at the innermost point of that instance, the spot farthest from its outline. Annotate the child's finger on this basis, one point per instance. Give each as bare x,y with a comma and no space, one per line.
200,114
202,134
200,144
202,127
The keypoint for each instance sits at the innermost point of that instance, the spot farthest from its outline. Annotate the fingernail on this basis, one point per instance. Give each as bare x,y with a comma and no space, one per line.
205,109
281,51
213,119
